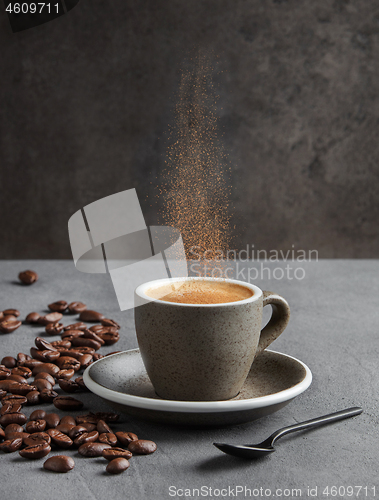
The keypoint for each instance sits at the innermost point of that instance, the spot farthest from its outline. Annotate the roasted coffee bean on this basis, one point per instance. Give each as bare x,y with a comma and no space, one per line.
2,434
28,277
68,352
60,439
108,437
125,438
31,364
23,371
12,428
86,437
102,427
45,376
142,447
66,344
10,408
83,350
8,362
67,403
12,418
76,326
76,431
91,316
2,393
68,419
107,416
47,368
37,437
110,322
21,358
46,356
1,315
11,445
84,342
13,312
92,449
110,329
71,334
54,328
65,428
33,397
43,345
16,435
117,465
4,384
18,378
21,389
76,307
112,453
110,338
32,318
58,306
97,356
53,317
52,420
81,384
9,326
66,374
35,426
68,385
86,360
67,362
7,408
90,427
35,451
42,384
8,317
48,396
14,398
59,463
88,334
37,415
88,418
4,372
98,329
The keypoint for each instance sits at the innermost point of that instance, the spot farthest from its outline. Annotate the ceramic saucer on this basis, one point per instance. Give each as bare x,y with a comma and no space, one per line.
273,381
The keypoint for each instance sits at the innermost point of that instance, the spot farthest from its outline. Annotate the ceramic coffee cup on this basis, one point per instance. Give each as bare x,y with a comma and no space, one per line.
203,352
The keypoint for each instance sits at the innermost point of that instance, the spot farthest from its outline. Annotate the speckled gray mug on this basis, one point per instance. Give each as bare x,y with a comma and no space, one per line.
203,352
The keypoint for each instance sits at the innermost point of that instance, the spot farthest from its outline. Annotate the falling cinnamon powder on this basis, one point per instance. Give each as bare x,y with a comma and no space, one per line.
196,190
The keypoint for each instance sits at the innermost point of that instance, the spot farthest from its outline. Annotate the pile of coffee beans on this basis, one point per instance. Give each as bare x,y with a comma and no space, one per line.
60,362
90,434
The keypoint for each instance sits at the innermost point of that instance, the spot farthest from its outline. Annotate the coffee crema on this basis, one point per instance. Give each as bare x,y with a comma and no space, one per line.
200,292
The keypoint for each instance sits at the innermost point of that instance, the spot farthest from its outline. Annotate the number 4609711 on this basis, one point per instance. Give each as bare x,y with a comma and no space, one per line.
32,8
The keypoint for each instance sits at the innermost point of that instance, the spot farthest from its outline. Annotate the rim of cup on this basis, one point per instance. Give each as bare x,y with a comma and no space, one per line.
141,291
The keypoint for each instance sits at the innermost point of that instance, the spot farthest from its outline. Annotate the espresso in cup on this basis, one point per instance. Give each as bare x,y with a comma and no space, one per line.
198,337
200,292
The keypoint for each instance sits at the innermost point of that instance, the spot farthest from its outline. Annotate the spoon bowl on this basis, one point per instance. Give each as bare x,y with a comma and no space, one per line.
251,451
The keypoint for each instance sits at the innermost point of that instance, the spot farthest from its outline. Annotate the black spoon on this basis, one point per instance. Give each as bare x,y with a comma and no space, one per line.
266,447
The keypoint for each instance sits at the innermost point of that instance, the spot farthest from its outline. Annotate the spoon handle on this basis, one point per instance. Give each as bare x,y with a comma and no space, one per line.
314,422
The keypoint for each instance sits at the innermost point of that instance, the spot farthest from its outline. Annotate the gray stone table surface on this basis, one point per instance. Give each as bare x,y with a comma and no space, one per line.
334,329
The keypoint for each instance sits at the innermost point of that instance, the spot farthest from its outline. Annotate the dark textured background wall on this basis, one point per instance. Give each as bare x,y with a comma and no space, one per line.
86,100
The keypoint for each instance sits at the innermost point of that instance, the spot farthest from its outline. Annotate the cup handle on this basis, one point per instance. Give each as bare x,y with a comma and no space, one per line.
278,321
